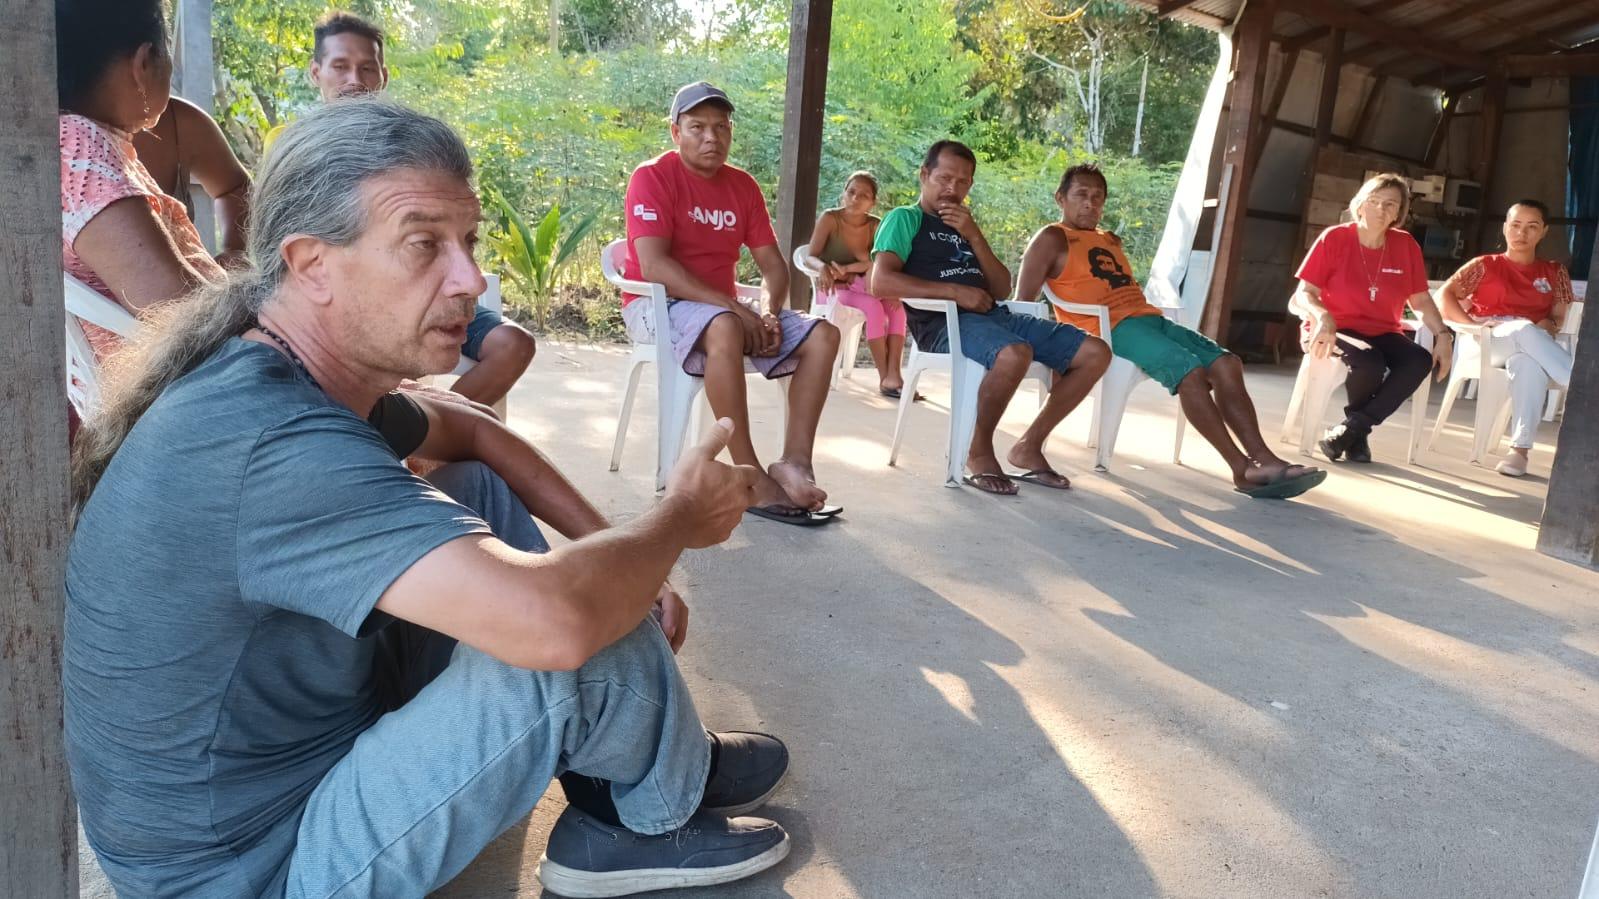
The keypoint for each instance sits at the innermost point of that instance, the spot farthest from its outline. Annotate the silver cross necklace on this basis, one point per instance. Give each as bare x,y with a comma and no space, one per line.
1371,283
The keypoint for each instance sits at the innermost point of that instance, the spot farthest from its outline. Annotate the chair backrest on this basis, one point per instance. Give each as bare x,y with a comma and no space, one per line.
492,298
1573,319
802,261
82,369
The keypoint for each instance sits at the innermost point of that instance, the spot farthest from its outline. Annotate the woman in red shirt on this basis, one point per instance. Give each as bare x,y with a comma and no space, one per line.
1354,286
1525,300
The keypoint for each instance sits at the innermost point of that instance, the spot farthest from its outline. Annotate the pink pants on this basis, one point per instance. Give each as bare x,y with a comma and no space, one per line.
882,319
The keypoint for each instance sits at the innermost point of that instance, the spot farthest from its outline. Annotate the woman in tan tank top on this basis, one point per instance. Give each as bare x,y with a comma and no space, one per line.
841,247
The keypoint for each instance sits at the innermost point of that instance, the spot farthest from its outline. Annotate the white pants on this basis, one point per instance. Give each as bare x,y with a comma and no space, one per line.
1532,359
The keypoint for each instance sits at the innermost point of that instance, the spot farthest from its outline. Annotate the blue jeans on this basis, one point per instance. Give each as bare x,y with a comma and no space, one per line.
434,781
985,334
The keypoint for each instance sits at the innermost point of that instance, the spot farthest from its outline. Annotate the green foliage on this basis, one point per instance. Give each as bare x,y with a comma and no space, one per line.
535,258
562,132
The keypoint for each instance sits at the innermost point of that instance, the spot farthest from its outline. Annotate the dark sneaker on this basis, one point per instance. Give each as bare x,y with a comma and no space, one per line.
749,767
586,858
1359,451
1338,441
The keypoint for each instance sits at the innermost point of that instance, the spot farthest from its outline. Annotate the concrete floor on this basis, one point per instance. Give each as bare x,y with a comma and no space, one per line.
1148,686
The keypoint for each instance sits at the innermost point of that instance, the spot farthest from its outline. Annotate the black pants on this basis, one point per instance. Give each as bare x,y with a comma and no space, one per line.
1381,378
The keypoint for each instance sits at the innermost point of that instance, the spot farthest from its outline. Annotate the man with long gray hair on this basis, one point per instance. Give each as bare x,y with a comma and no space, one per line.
265,695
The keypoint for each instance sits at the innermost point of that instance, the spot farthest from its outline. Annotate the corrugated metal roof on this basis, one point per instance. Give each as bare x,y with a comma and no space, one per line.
1428,41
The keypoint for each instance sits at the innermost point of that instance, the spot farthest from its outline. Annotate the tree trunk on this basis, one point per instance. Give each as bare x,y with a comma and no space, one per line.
555,27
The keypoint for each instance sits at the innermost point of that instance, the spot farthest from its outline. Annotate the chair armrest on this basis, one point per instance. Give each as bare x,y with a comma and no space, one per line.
1037,309
85,303
951,322
1100,312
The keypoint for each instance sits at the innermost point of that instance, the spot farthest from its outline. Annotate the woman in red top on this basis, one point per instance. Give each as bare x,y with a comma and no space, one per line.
1525,300
1354,286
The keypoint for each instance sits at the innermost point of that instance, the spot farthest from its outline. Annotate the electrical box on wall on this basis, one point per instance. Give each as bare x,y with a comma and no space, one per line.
1462,197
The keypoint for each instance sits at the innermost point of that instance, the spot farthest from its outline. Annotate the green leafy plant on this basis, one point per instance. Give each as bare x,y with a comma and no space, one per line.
535,257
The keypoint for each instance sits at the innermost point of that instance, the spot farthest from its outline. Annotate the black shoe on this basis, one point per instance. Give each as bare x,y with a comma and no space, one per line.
1359,451
749,767
1339,440
585,857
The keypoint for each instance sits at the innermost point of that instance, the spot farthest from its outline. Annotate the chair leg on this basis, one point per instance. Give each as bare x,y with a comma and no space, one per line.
852,348
1501,422
1177,443
626,414
677,406
1296,401
1097,397
962,416
1491,392
1451,392
1114,388
1323,381
1418,419
907,397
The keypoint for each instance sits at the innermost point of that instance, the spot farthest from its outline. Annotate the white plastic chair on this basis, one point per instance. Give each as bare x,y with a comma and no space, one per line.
965,376
677,390
1319,378
1110,395
1492,414
83,371
851,322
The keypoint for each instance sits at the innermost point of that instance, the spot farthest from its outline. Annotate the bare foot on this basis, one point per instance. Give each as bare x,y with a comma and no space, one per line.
890,383
798,482
990,475
769,492
1031,459
1256,474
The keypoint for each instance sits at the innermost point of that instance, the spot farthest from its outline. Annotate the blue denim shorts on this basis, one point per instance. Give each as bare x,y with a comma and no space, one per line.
984,334
482,323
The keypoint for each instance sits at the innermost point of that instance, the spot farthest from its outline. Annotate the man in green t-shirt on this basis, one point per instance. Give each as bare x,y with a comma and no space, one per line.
933,249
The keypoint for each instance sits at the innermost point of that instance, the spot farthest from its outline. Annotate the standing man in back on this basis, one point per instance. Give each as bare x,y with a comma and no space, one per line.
347,61
689,214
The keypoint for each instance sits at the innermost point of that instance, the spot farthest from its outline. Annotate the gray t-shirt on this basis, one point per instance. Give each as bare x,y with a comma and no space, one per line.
220,592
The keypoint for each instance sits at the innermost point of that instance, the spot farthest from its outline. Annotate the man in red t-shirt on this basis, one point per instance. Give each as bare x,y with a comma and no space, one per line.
688,215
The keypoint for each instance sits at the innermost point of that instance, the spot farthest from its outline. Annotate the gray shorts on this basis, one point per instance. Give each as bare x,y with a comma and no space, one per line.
690,319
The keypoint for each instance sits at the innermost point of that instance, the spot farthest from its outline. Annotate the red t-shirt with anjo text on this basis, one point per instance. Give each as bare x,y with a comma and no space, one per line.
1346,272
708,220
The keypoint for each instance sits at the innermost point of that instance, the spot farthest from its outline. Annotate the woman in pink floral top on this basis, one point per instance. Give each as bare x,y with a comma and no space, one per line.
120,234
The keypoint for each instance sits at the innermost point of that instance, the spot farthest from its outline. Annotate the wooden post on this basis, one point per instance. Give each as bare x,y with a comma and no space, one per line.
1240,149
810,29
1570,528
1440,132
193,63
1482,171
1332,64
39,849
194,79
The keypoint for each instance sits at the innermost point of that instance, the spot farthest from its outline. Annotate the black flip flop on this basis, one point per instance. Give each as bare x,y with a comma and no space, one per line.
975,480
1285,487
790,515
895,393
1036,477
828,511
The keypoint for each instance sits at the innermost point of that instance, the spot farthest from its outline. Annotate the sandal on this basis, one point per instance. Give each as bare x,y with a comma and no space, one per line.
992,482
1043,477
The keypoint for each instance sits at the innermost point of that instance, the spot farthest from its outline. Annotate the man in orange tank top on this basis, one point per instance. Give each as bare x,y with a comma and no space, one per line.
1081,263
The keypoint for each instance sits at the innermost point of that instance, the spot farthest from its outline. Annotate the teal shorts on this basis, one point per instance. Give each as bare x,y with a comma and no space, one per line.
1163,349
